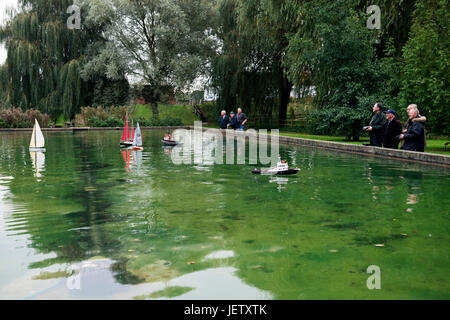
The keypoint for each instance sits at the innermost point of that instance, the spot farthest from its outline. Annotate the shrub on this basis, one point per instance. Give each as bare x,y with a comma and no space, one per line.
109,117
107,123
158,122
88,113
16,118
209,111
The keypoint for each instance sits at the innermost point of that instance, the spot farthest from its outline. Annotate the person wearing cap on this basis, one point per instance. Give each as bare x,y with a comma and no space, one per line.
391,130
223,120
376,125
233,122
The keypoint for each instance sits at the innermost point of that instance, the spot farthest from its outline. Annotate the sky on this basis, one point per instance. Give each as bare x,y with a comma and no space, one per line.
3,5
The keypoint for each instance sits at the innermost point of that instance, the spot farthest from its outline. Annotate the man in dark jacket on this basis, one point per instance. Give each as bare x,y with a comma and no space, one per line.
242,119
233,123
415,133
223,120
376,125
391,130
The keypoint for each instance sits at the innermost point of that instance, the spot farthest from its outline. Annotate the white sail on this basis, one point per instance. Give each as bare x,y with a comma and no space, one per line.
37,138
137,142
33,138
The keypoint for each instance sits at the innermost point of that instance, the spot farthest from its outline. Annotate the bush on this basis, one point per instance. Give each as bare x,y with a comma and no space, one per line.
209,111
100,117
88,113
157,122
16,118
107,123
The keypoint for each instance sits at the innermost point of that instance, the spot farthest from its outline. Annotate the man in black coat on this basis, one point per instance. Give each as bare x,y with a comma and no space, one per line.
391,130
415,135
233,123
223,120
376,125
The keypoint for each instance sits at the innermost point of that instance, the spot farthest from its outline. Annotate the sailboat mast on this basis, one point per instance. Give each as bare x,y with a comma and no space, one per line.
35,135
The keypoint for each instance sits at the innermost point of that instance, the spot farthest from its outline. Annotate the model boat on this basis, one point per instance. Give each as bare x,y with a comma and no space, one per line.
168,140
137,141
127,139
37,142
282,168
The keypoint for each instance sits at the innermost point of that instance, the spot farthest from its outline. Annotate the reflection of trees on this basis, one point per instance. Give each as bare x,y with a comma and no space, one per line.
68,207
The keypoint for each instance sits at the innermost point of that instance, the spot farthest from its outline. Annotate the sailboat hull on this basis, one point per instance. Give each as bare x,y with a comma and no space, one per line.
38,150
126,144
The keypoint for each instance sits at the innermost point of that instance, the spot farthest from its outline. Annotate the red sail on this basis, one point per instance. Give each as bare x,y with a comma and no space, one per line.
126,132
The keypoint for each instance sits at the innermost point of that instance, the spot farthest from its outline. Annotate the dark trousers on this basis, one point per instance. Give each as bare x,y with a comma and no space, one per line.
376,141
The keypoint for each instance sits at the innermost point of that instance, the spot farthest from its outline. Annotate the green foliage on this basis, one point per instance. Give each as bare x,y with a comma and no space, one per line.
101,117
159,122
109,122
45,60
16,118
249,73
426,64
210,111
159,42
336,50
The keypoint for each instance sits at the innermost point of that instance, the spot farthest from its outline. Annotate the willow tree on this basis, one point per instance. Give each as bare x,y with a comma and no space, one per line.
334,46
249,73
45,58
162,43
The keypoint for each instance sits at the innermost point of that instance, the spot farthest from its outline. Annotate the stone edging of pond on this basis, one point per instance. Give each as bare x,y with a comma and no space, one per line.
410,156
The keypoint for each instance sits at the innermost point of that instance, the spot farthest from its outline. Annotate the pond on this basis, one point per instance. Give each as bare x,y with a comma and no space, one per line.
89,221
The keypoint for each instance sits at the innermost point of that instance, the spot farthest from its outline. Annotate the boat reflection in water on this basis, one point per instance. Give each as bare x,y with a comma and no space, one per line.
38,161
281,182
133,161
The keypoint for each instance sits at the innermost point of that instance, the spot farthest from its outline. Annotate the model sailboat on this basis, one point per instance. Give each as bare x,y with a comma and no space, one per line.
126,140
37,142
137,141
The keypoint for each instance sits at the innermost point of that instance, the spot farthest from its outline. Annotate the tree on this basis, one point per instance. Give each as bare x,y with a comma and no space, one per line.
425,67
249,72
269,24
45,58
335,50
160,43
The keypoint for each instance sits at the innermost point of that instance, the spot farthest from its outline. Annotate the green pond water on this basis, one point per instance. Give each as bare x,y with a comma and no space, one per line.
86,223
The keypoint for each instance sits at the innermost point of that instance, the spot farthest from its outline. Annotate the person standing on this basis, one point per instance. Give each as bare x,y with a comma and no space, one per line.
391,130
233,122
241,119
415,133
376,125
420,119
223,120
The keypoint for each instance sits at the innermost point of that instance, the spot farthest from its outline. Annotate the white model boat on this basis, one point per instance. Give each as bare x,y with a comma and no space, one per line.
137,141
37,142
282,168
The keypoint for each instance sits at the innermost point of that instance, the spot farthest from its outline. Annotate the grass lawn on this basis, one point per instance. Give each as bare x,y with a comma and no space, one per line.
185,113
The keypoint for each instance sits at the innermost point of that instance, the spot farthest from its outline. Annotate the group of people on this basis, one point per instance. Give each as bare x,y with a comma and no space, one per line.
235,121
385,130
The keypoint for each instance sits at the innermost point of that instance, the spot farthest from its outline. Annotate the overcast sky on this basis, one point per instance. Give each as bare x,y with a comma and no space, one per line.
3,5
